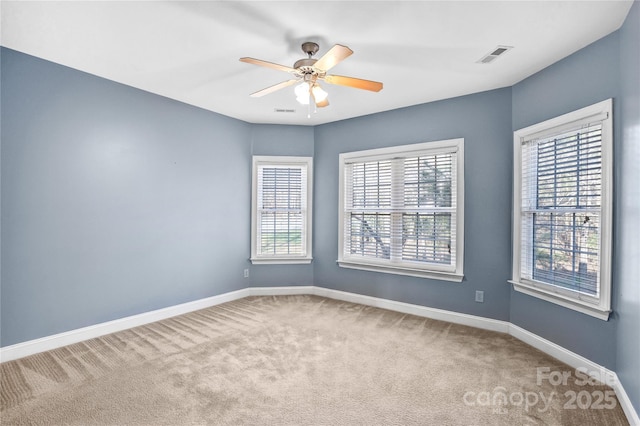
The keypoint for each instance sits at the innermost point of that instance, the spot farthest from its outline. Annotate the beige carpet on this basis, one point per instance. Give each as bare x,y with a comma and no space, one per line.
298,360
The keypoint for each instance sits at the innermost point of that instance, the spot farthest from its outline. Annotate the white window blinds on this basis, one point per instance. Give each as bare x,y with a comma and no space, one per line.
280,213
281,216
401,209
561,200
563,185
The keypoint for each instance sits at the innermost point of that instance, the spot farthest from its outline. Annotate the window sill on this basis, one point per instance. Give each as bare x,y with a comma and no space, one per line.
280,261
436,275
575,304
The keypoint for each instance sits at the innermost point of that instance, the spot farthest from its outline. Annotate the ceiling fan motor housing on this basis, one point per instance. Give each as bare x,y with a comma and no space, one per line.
304,64
304,67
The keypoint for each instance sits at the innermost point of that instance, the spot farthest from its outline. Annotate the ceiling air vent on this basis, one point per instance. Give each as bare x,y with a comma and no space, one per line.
494,54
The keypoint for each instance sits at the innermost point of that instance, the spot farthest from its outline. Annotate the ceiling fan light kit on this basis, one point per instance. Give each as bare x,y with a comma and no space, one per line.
304,90
302,93
309,71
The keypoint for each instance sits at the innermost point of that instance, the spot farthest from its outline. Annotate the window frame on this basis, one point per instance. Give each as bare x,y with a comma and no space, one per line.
282,161
598,307
453,273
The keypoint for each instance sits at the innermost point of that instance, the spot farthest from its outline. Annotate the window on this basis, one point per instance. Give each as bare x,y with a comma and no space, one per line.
401,210
562,210
281,213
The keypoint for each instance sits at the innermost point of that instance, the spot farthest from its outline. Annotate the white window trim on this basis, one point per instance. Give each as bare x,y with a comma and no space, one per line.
601,307
454,274
261,160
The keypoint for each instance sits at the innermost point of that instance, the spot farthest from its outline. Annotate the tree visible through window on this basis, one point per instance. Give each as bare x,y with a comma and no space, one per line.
562,204
402,210
566,219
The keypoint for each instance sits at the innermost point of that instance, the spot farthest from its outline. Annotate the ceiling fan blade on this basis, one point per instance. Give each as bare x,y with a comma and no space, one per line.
268,64
273,88
358,83
334,56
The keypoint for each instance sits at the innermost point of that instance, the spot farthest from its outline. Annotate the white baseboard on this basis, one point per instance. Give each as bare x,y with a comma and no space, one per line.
625,402
421,311
574,360
48,343
571,358
281,291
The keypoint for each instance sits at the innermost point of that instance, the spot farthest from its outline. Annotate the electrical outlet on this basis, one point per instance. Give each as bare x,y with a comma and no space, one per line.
246,273
479,296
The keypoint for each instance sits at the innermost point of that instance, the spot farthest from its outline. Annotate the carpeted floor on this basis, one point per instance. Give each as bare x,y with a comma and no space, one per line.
294,360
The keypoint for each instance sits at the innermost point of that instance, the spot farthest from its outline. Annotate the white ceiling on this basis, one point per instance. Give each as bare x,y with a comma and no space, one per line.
421,50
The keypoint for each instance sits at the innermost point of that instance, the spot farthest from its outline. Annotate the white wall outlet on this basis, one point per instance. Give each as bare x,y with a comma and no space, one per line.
246,273
479,296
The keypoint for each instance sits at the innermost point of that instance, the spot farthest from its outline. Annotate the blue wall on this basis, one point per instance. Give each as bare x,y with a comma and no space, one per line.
484,121
584,78
627,250
115,201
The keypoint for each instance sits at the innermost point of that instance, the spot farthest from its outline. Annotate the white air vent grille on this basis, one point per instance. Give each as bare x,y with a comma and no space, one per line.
495,53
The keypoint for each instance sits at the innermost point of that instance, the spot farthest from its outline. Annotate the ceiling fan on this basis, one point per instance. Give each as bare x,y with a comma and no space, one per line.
308,72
